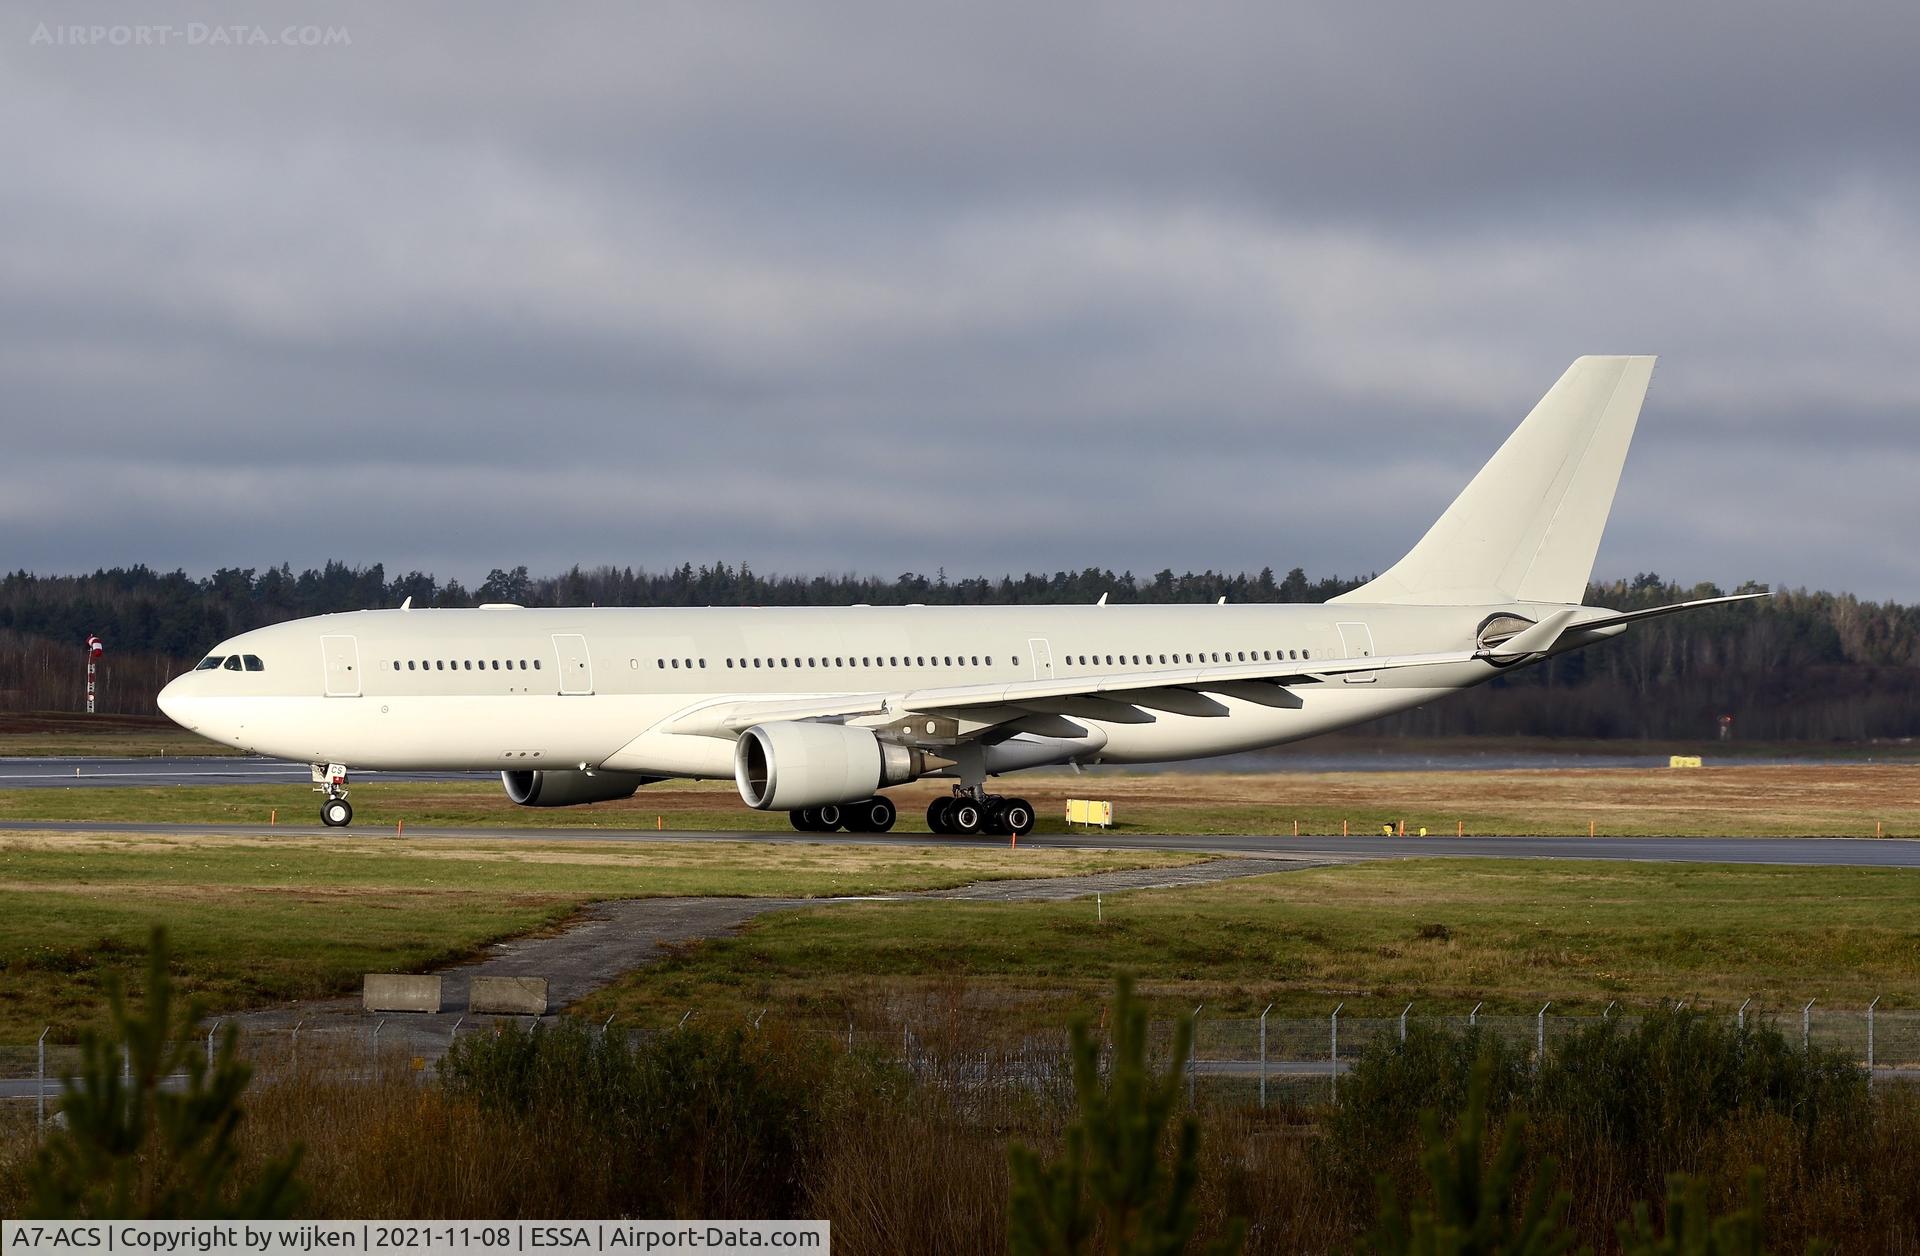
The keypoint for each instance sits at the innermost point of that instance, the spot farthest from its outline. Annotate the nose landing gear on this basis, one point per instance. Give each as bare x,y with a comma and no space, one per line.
330,779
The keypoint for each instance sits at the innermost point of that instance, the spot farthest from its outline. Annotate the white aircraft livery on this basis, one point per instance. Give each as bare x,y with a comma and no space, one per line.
814,711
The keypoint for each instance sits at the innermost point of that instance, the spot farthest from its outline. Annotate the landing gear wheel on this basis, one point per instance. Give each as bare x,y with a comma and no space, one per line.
1016,814
938,812
965,817
996,821
802,820
335,813
875,815
829,818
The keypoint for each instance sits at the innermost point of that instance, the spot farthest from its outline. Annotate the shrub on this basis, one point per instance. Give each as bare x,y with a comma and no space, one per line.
693,1123
133,1149
1370,1132
1117,1185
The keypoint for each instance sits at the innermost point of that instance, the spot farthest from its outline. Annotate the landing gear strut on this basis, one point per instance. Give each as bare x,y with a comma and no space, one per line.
331,780
869,815
972,810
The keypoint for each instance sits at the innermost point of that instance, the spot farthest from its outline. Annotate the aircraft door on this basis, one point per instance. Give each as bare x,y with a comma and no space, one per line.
340,657
1042,658
1356,642
576,669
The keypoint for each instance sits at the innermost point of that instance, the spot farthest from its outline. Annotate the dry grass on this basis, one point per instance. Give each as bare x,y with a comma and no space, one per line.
1825,800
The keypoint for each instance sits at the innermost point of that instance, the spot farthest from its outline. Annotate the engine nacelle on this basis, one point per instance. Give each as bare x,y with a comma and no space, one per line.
547,788
792,764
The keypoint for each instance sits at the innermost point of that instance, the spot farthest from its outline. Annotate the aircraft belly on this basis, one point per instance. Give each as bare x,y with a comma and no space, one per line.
451,733
1250,726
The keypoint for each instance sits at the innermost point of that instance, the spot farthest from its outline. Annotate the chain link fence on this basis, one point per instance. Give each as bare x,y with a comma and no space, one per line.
1268,1059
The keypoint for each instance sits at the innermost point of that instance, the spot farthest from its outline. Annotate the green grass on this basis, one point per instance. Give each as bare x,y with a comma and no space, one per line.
257,920
1513,933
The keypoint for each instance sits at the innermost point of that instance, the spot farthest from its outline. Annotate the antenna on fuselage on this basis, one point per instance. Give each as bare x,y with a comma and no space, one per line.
408,604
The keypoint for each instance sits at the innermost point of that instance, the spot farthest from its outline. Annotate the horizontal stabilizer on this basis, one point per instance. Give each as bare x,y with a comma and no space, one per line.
1535,640
1613,619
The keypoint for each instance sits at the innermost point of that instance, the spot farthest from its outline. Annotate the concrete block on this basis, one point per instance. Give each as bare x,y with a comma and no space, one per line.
398,992
508,996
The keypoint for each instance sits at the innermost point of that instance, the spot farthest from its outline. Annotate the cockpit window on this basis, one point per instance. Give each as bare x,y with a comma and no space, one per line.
233,662
253,662
210,662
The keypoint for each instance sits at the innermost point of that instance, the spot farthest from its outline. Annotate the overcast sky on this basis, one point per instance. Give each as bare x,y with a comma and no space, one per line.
994,287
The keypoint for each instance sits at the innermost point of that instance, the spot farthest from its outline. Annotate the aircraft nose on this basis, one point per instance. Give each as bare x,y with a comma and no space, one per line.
174,703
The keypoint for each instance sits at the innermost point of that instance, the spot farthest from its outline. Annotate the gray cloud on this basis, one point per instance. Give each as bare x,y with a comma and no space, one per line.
989,287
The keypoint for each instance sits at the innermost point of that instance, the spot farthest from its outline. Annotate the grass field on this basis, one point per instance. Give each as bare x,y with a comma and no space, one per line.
1830,800
260,920
63,733
1445,934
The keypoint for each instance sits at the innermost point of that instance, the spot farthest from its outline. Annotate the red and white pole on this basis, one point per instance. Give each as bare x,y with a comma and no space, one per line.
94,650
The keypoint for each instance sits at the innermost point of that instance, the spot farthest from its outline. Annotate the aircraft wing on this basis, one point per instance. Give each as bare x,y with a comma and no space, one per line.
1128,697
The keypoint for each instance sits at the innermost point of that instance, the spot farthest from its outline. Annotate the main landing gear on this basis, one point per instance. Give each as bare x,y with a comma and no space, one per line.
330,779
871,815
973,811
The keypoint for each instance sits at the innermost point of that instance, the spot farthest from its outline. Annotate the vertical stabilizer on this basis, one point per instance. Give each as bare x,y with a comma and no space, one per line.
1527,528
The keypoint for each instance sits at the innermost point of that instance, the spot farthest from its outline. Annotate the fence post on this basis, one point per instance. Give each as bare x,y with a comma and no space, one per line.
40,1083
1333,1074
1806,1025
1740,1018
373,1049
1608,1013
211,1030
1540,1036
126,1064
1403,1021
455,1031
1193,1053
1263,1054
607,1024
1870,1007
1474,1013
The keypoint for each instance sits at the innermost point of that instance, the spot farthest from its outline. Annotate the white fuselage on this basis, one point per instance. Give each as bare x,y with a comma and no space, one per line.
510,688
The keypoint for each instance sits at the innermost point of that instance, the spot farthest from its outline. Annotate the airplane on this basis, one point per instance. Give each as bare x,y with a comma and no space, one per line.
815,711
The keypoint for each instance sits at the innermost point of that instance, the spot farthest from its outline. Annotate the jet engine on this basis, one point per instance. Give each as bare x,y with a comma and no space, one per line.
792,764
570,789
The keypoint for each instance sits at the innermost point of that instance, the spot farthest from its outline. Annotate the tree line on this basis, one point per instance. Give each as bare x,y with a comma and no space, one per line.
1798,666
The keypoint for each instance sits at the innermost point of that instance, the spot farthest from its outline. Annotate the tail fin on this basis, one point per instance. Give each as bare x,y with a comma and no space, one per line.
1527,528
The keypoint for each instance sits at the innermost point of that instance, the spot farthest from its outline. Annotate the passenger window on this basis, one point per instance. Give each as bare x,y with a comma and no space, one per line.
1306,654
496,665
536,665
